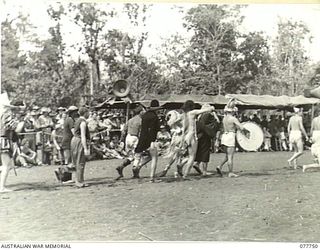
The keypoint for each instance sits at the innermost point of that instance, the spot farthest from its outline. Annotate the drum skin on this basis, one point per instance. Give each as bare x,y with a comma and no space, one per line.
254,140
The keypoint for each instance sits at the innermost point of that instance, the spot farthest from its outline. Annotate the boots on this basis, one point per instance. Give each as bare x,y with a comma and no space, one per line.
121,167
135,172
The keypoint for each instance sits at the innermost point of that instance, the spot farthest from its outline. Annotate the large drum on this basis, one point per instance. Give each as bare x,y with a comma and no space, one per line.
254,140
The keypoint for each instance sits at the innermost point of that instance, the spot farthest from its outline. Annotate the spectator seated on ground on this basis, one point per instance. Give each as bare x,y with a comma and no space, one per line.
97,149
26,155
117,145
109,149
163,140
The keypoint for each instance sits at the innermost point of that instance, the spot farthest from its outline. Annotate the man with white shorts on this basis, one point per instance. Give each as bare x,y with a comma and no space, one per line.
132,128
315,148
295,131
228,138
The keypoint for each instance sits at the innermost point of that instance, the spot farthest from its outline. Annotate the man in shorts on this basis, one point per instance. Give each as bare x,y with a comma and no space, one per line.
228,138
295,131
150,126
315,148
7,139
132,129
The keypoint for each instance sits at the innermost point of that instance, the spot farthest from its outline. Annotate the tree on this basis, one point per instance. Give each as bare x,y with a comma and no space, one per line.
253,63
92,18
123,58
290,62
11,59
208,63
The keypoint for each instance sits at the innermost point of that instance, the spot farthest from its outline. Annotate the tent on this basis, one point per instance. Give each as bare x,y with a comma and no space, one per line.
272,102
175,101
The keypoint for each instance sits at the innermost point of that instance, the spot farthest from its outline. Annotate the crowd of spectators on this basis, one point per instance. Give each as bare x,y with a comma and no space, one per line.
43,134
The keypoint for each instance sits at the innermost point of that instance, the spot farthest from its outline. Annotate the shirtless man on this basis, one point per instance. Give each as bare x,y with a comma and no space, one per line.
228,138
295,131
315,148
189,137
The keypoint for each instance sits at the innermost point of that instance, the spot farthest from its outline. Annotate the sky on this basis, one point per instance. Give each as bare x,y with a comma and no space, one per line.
165,21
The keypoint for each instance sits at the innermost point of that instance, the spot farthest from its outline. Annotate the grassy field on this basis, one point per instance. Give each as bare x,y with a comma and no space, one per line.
268,202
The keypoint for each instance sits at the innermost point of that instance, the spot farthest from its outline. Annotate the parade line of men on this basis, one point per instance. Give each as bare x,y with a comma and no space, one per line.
190,143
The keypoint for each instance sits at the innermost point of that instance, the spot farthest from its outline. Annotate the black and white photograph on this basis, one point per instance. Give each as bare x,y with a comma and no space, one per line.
159,122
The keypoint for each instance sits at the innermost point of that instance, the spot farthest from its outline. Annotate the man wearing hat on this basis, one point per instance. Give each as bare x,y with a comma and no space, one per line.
150,125
61,111
207,127
295,131
7,139
228,138
132,129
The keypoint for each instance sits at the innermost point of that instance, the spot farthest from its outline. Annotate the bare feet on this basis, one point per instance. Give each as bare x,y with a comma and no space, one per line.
5,190
185,178
233,175
205,174
81,185
68,182
290,163
304,168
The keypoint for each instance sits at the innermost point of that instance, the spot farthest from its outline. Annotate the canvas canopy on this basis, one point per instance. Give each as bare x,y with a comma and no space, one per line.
273,102
243,101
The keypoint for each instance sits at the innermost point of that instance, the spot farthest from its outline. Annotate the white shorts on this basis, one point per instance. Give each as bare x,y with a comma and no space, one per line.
228,139
131,142
282,136
295,136
315,148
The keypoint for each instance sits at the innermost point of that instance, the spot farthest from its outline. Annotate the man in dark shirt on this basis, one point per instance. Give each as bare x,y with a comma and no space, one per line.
274,129
68,131
150,125
264,122
207,126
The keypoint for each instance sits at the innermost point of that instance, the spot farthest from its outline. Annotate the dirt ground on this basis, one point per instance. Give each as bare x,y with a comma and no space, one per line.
268,202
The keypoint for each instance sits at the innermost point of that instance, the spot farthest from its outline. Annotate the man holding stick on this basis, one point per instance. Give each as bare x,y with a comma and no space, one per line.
7,139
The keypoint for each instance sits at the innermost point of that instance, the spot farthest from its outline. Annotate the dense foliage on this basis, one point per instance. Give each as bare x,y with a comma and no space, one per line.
216,59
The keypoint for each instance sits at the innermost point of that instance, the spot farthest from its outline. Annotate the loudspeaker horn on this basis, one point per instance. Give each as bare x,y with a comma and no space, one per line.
121,88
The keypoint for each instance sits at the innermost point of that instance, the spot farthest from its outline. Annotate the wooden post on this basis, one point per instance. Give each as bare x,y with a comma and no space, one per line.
312,112
127,112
